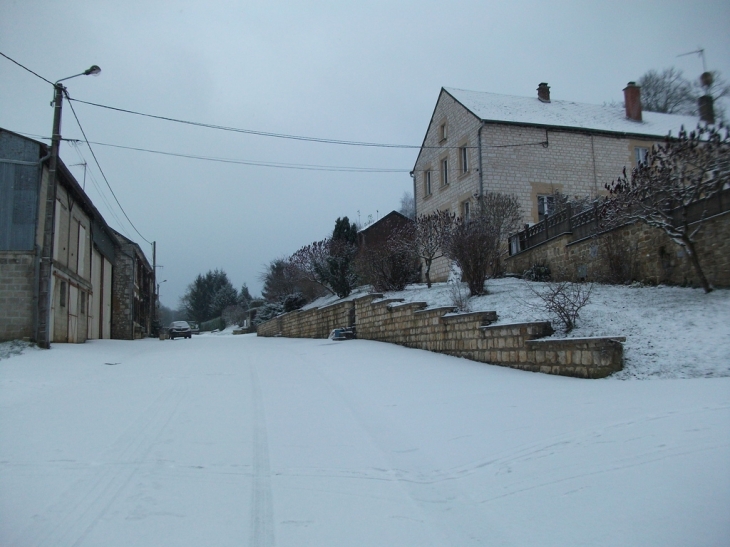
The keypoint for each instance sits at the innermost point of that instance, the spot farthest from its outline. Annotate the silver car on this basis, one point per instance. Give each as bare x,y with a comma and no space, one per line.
179,329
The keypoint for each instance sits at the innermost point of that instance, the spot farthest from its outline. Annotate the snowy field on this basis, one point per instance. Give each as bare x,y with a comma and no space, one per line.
237,440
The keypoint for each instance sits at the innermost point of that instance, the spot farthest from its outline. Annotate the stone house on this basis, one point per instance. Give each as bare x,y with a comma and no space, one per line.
70,301
133,292
480,142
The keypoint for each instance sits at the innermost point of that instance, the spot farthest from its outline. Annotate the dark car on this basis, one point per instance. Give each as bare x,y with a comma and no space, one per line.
179,329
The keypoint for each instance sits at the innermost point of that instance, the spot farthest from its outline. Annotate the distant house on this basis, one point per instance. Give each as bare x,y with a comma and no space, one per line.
530,147
70,301
133,293
379,231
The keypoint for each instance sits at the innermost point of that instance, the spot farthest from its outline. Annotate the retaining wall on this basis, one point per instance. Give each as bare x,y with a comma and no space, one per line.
468,335
645,254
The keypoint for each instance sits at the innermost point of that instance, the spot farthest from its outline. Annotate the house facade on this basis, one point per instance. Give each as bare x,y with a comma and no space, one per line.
70,300
133,292
530,147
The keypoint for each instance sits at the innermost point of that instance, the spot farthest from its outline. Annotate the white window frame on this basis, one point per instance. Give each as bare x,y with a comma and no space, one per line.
443,132
466,211
445,171
640,154
427,182
464,159
545,205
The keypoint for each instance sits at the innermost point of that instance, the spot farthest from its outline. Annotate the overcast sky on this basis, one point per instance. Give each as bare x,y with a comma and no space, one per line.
355,71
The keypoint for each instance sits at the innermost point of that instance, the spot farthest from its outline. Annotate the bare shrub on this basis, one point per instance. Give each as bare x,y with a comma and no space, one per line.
477,244
539,271
563,301
389,265
460,297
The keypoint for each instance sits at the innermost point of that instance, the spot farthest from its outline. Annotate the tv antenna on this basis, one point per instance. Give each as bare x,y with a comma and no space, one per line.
706,79
84,164
699,51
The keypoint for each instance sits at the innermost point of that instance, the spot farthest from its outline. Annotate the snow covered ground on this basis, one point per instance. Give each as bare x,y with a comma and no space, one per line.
238,440
671,332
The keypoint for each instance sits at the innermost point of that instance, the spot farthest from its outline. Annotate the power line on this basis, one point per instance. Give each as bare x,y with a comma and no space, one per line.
250,131
96,185
102,172
298,166
26,68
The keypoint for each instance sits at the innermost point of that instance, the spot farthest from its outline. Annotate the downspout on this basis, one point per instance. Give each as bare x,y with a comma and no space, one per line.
595,175
415,201
479,144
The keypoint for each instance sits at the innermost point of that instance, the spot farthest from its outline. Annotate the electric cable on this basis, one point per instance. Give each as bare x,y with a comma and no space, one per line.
102,172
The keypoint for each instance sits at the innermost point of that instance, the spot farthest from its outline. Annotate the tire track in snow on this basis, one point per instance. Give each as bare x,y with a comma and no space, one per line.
262,509
68,521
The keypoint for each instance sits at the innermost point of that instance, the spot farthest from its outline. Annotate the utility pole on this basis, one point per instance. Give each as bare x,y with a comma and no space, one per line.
45,268
153,304
43,336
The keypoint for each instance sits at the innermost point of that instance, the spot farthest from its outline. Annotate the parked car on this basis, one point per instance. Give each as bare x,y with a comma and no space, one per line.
194,327
179,329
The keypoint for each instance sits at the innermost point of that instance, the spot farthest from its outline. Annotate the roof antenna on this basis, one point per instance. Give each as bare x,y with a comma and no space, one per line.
701,52
84,164
706,79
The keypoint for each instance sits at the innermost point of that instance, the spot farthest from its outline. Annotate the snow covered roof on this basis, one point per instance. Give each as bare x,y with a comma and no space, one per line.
568,114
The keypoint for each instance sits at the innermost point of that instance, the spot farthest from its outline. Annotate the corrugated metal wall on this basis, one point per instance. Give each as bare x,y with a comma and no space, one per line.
19,183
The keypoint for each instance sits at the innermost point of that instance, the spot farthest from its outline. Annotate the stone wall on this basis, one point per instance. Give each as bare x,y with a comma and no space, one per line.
636,252
17,278
311,323
468,335
122,327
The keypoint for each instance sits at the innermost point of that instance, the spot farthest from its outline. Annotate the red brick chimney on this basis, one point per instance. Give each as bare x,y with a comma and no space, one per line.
632,99
543,92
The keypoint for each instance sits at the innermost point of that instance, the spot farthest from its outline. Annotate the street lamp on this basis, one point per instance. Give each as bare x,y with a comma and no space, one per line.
43,335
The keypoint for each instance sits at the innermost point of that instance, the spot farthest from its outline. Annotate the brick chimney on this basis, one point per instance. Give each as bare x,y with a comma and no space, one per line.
707,108
632,99
543,92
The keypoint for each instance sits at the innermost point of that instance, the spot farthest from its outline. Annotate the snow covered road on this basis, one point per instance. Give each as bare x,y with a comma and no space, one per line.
239,440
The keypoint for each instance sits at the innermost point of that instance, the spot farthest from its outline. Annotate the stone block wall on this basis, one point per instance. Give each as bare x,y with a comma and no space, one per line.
122,327
311,323
646,254
17,279
468,335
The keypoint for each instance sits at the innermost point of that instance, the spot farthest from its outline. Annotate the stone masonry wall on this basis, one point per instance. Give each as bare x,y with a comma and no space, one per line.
311,323
122,327
646,254
17,278
468,335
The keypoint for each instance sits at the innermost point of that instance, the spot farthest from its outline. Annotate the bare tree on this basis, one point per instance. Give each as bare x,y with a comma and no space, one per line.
667,91
408,205
477,244
309,263
673,188
427,236
328,264
670,92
